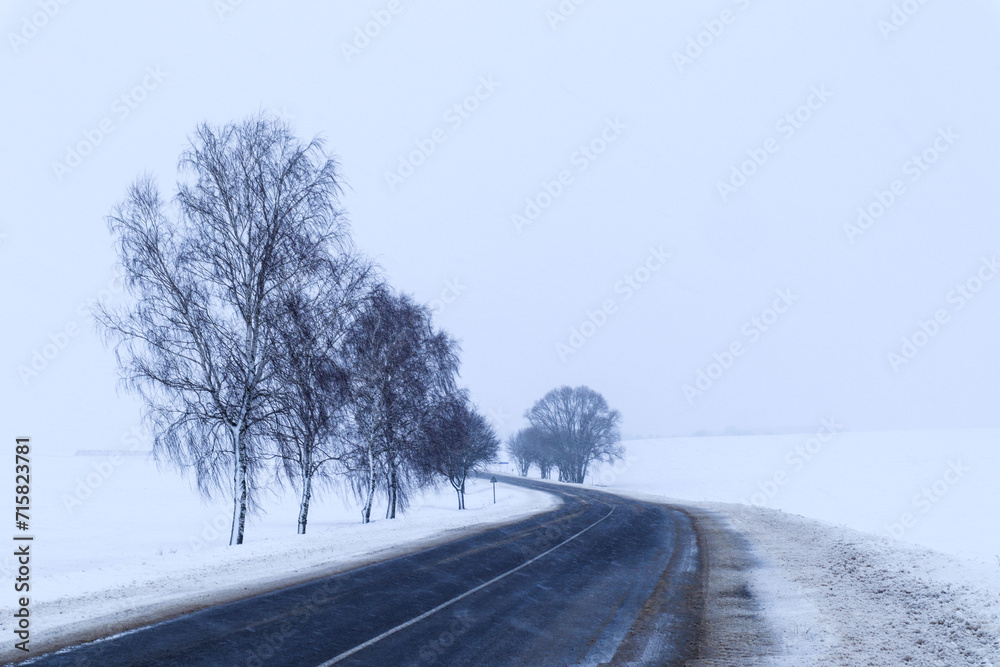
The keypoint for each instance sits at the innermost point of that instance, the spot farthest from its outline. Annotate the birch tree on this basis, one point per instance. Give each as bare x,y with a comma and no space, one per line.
399,363
255,209
458,440
312,381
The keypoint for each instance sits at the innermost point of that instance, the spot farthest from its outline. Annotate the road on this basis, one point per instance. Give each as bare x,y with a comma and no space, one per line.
600,579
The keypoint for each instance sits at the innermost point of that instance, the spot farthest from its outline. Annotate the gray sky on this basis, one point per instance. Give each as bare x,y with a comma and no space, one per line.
609,133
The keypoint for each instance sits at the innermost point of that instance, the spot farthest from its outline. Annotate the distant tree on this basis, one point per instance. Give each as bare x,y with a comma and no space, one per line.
544,450
458,440
580,428
519,449
528,447
259,211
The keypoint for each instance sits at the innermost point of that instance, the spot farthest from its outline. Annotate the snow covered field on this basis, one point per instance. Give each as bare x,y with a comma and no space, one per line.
938,489
117,540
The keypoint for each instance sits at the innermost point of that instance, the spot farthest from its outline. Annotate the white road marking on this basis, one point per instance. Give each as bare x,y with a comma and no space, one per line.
401,626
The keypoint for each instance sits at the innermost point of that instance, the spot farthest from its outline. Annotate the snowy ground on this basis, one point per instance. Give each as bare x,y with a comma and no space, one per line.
866,592
841,597
116,541
941,484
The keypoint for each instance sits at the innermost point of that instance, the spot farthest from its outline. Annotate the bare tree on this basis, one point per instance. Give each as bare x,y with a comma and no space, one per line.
312,381
545,451
434,379
399,364
580,427
259,210
519,450
458,440
530,446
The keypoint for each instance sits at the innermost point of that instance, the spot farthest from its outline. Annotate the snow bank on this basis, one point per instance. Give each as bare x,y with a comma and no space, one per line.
836,596
897,564
118,543
820,595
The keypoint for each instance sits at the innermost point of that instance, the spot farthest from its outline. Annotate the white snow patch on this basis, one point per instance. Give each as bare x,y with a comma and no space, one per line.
837,596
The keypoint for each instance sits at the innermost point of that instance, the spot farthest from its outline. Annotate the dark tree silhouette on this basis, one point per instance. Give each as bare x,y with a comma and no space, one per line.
530,446
519,449
458,439
578,427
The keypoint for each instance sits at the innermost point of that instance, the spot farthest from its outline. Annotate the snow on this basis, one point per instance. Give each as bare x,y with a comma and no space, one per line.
864,480
836,588
836,596
513,294
861,592
118,541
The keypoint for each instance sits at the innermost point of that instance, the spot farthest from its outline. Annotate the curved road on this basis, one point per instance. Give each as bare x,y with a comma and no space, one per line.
602,579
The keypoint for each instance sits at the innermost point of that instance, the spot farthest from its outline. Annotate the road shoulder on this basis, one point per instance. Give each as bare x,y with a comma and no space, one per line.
782,590
837,596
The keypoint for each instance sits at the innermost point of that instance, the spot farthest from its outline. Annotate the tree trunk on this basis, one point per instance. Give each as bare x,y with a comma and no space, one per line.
304,506
388,494
462,495
366,511
393,491
239,489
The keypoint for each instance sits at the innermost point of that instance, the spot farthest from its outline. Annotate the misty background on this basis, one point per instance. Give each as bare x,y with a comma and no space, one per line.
536,84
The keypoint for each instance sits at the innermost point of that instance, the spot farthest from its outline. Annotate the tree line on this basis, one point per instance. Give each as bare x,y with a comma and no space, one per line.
266,349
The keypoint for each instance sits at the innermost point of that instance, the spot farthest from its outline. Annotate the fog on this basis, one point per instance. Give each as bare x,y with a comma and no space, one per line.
726,217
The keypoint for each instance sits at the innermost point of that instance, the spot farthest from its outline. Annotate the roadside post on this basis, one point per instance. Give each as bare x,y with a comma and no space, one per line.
493,481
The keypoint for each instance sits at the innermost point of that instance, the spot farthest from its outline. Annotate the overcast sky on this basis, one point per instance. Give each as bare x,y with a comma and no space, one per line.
612,194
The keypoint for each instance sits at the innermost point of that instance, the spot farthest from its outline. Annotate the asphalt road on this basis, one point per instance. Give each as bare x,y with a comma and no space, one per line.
601,579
